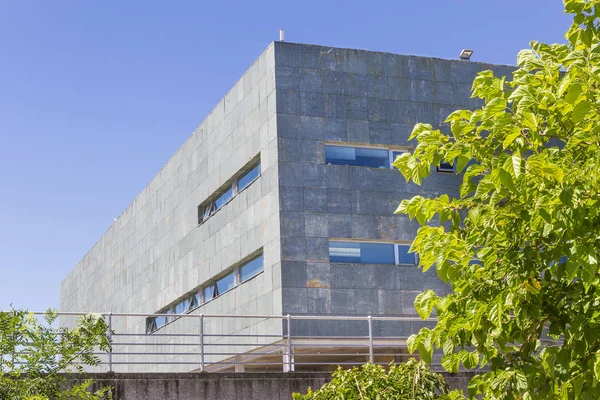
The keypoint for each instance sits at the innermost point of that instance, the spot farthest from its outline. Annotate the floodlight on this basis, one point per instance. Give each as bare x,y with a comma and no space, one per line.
466,54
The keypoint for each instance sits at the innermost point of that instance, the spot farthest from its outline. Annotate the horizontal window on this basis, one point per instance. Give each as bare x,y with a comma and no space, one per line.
241,181
370,253
372,157
207,292
363,253
357,156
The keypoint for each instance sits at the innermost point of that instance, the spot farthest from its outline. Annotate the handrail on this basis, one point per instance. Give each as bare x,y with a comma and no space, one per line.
294,342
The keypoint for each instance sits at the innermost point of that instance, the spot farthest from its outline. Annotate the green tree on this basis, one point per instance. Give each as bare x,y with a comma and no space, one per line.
520,245
411,380
34,356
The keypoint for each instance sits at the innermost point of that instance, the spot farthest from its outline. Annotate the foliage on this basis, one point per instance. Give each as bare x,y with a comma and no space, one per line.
34,356
520,245
411,380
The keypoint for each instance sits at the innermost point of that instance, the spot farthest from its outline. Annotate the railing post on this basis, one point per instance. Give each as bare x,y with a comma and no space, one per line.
371,355
201,342
290,362
110,348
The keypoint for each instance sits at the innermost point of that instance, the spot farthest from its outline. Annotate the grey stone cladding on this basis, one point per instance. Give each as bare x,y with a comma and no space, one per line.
288,104
333,95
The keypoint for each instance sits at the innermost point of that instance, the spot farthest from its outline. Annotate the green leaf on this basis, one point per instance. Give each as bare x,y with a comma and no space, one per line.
412,342
597,366
580,111
516,161
493,108
510,137
451,363
573,93
506,179
424,303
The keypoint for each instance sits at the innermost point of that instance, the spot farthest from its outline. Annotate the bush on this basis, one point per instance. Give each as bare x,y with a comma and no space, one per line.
411,380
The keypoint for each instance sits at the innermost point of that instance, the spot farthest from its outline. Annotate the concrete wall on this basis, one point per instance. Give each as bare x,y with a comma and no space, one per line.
156,252
261,386
358,97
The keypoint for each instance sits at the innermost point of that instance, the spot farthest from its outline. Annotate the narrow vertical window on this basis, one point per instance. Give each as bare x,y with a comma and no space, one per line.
404,257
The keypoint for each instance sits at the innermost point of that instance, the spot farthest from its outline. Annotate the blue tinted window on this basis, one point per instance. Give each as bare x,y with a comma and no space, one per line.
445,167
182,307
224,284
162,320
194,301
209,292
364,253
357,156
404,257
251,268
223,198
248,177
396,154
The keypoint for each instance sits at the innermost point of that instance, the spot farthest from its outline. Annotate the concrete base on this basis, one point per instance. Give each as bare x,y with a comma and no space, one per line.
224,386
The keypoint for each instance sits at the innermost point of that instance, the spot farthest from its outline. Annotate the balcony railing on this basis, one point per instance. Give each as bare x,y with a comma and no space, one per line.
267,343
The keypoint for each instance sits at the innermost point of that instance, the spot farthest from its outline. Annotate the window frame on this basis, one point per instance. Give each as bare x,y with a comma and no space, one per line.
397,245
390,150
235,271
392,159
446,170
208,208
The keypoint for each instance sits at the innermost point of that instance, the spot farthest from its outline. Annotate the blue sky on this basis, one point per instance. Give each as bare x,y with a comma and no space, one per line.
96,96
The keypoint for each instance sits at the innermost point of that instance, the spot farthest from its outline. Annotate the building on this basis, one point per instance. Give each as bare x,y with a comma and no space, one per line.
282,200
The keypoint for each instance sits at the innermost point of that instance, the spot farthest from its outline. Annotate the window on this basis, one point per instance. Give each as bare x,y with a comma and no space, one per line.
213,289
248,178
404,257
154,323
251,268
237,275
363,253
217,288
210,292
357,156
370,253
360,156
228,192
225,283
445,167
223,199
187,304
394,154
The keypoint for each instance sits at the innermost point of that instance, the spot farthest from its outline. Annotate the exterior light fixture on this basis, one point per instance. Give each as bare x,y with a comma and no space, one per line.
466,54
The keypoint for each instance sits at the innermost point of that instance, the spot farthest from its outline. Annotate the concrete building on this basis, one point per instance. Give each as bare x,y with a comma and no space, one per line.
282,200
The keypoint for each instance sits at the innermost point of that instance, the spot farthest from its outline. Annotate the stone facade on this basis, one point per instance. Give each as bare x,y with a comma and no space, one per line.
331,95
291,102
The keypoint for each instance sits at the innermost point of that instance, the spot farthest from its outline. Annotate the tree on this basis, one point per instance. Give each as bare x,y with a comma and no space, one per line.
520,245
35,356
411,380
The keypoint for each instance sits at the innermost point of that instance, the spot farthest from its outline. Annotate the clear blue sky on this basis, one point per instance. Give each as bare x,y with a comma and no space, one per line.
95,96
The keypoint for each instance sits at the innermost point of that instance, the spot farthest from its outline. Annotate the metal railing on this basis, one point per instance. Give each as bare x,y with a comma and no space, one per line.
223,343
